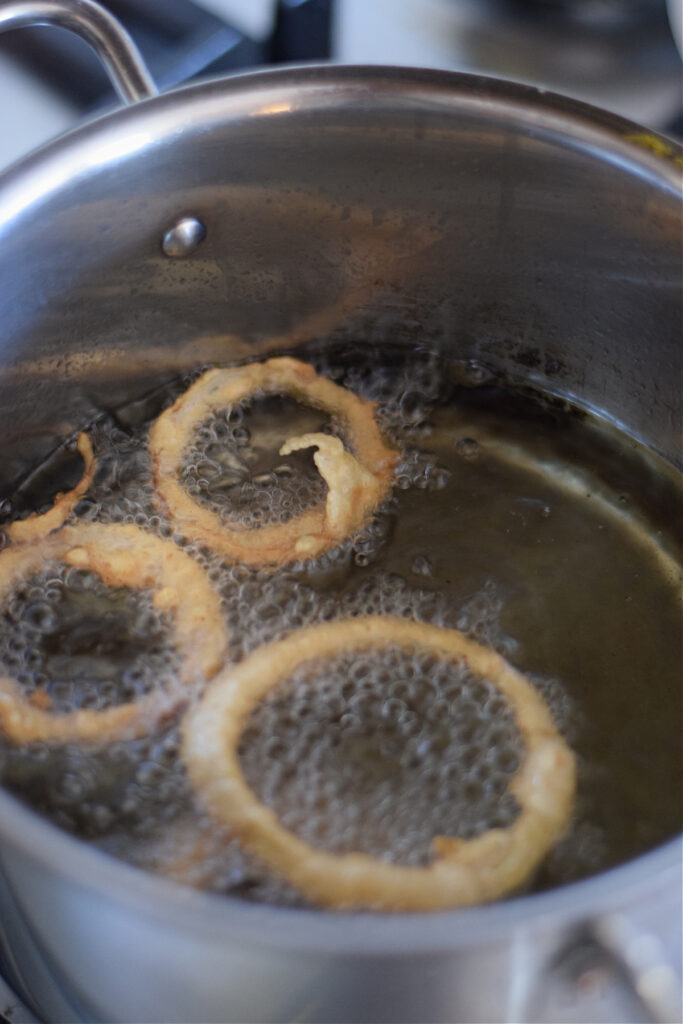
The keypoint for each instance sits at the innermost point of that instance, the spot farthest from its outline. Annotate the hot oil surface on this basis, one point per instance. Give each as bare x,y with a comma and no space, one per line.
379,752
528,526
234,466
83,644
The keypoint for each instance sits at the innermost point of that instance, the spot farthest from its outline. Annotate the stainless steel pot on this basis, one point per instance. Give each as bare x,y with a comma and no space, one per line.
517,231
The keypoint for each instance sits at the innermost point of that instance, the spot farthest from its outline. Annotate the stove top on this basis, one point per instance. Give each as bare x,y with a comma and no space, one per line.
618,54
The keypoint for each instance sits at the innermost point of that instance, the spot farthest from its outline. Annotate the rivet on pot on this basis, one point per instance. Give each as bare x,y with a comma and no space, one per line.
183,237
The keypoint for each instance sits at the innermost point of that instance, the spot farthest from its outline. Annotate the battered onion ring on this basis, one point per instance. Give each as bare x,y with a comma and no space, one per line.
463,871
127,556
39,525
315,530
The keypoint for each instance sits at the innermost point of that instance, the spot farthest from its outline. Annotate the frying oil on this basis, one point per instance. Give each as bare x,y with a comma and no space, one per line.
517,519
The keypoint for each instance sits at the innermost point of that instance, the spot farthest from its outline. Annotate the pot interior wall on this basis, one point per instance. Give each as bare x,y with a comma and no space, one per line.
339,205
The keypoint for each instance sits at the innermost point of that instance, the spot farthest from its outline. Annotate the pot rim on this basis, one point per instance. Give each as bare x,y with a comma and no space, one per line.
124,132
108,138
231,919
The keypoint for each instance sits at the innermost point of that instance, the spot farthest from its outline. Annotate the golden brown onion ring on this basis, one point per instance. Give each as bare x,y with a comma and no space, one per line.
463,872
315,530
122,556
39,525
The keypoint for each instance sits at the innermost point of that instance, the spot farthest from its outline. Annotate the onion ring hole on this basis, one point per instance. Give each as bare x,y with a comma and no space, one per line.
234,467
122,557
39,524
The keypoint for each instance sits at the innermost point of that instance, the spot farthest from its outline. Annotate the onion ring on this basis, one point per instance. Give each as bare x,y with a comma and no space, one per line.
463,872
121,555
40,524
357,483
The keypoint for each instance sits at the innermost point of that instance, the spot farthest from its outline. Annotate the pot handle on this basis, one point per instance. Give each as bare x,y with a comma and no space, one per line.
96,26
611,969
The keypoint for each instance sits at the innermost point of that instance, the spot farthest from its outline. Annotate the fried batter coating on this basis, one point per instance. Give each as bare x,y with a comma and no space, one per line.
351,490
39,525
463,872
122,556
367,474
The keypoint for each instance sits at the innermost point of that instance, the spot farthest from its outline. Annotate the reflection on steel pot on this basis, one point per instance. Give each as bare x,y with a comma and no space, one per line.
533,235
